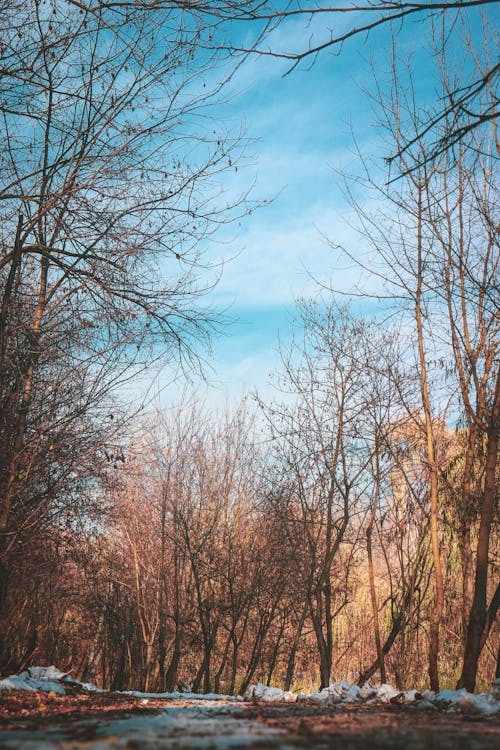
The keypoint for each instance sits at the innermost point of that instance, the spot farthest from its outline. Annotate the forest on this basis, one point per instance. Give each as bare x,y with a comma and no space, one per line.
345,527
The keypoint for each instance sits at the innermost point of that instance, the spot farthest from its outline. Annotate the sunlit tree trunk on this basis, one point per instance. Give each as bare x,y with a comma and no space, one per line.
489,500
371,576
431,459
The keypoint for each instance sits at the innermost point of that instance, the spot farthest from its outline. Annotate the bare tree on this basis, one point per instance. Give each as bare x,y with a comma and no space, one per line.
437,253
318,444
109,165
329,28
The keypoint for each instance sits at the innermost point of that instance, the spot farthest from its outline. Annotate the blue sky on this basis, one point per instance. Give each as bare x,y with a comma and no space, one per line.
301,129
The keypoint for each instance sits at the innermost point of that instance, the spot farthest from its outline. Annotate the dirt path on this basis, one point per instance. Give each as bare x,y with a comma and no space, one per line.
117,722
379,727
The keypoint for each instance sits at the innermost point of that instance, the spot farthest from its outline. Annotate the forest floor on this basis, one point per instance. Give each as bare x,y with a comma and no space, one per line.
110,721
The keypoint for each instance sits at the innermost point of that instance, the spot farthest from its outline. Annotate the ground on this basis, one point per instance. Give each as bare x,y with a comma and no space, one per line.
108,721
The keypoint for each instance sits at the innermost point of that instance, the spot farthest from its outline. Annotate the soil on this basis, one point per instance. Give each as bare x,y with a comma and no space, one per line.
24,710
376,727
359,727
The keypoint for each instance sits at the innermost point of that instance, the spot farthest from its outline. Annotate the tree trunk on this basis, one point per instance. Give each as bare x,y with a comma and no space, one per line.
264,625
466,515
371,575
478,614
431,460
295,645
274,657
467,574
223,661
325,656
397,626
171,675
9,468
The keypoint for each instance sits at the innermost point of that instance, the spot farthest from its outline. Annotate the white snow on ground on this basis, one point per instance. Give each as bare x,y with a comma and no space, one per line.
338,692
182,696
194,727
342,692
34,683
44,679
51,679
267,694
190,727
460,700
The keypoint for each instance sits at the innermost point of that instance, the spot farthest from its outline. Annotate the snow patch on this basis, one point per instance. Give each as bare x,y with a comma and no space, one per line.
460,700
268,694
204,726
45,680
485,704
338,692
51,679
182,696
25,681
